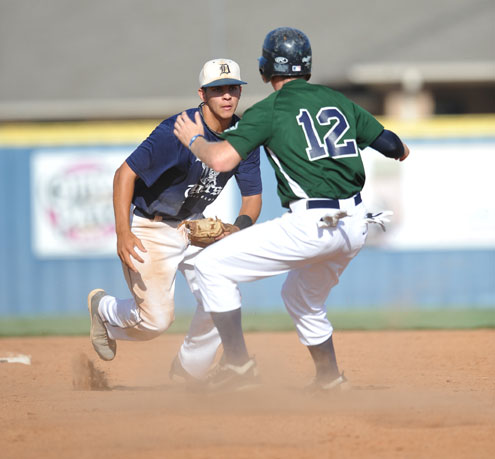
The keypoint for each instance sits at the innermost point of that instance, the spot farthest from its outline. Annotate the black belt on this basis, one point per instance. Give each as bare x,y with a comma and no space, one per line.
330,203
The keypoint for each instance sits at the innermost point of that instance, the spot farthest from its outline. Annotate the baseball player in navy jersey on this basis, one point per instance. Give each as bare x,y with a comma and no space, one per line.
160,184
313,137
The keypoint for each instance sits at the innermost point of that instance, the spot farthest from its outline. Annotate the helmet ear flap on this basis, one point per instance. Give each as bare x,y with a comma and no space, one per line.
265,68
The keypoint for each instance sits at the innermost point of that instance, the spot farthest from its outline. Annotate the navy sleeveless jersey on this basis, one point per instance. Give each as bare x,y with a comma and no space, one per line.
176,185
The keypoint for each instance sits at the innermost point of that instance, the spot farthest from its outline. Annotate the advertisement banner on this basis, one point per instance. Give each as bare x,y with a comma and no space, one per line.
442,195
71,201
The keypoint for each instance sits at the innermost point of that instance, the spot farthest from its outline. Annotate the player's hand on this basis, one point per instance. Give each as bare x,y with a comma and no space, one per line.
126,249
406,152
185,128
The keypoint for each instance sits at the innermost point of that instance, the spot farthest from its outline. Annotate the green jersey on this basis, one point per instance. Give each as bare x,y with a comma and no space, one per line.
312,136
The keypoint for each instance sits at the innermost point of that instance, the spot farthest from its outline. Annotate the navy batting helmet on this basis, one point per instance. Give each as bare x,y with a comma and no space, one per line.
286,51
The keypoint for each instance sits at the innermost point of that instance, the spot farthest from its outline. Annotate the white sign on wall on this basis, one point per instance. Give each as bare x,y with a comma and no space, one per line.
71,201
442,195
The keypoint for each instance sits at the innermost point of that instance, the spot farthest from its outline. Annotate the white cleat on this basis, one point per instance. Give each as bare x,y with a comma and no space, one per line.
105,347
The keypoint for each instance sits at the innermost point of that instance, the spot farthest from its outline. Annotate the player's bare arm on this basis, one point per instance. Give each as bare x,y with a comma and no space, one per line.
220,156
123,189
251,206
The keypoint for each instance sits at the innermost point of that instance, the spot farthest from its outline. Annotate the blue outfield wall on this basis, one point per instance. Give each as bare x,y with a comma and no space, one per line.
376,278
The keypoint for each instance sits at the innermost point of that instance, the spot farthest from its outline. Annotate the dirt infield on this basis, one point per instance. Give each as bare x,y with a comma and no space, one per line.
416,394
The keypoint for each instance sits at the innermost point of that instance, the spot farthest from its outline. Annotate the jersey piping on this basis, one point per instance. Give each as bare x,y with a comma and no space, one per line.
294,186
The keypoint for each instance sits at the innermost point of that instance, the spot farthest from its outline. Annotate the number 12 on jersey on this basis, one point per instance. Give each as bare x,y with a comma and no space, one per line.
331,145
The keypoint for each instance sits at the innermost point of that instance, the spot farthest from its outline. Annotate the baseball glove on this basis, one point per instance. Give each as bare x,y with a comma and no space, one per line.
205,231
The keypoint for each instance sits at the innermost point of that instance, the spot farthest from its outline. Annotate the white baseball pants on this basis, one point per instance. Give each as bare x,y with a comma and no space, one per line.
150,311
314,257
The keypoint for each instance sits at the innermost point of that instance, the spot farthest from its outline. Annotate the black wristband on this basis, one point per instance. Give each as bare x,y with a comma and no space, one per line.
243,221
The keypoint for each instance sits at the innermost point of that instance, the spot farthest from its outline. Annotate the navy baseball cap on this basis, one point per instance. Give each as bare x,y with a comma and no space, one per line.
220,72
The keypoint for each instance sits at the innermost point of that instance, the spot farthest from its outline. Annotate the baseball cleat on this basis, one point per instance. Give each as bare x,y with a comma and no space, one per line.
319,385
232,378
105,347
179,374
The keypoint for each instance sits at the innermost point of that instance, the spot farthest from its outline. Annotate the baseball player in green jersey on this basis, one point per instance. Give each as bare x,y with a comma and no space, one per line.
313,137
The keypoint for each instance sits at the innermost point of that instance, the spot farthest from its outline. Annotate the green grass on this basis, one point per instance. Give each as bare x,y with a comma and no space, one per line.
369,319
